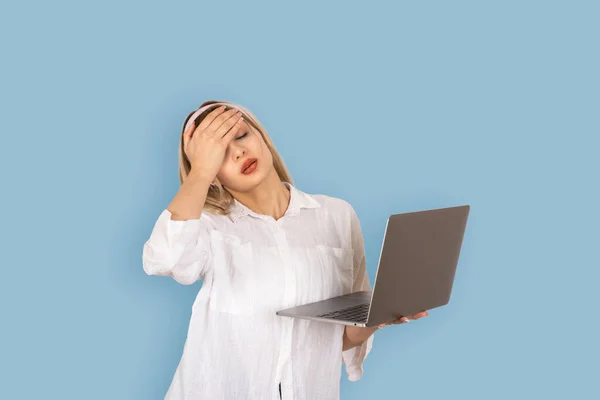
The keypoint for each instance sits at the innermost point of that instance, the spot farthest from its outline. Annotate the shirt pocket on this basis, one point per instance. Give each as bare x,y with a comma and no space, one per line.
338,268
233,288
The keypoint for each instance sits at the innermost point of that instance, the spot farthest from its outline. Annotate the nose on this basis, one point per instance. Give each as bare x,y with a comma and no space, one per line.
238,152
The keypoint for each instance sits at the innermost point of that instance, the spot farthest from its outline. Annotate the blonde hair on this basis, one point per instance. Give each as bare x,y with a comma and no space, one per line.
218,198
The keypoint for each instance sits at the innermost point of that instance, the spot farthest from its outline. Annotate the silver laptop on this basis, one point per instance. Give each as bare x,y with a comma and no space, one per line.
417,264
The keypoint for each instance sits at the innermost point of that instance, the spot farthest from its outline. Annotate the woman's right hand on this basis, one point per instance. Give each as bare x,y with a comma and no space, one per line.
206,144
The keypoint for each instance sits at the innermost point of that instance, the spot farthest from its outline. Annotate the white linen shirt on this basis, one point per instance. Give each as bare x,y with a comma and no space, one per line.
253,265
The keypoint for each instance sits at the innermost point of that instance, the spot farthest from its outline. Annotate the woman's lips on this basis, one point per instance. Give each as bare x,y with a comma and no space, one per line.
250,168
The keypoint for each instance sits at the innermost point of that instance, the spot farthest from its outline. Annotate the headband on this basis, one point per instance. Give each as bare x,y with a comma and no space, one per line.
195,115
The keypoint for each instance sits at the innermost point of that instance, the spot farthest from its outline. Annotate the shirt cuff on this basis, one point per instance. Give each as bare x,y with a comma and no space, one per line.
354,358
179,231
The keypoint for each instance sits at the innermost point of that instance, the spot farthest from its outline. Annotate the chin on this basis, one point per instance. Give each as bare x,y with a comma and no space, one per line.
243,183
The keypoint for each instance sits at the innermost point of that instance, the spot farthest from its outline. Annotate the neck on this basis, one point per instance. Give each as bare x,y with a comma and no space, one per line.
269,197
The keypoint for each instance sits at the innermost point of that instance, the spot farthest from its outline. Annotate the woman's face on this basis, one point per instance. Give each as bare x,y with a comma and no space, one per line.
247,144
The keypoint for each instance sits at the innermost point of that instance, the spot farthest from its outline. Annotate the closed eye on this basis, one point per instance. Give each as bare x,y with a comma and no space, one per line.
239,137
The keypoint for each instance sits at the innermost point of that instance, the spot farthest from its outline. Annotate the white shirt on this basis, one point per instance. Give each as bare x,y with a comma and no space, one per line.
253,265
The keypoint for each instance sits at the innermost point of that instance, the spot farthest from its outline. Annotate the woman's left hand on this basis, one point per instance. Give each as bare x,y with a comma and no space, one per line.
403,320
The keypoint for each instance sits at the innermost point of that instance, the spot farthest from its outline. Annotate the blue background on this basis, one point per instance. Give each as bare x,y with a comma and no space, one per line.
393,106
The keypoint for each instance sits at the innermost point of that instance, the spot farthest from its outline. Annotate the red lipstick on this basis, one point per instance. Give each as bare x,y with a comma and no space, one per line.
249,166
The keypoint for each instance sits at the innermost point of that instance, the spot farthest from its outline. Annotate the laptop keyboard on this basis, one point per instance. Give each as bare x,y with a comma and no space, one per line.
356,313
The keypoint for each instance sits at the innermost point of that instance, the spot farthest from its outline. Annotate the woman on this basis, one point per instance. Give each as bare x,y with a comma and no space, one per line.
261,245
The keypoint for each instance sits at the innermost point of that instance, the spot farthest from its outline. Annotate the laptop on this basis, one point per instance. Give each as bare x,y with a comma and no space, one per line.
416,269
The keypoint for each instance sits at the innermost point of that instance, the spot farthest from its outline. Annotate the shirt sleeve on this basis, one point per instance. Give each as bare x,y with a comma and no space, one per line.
353,358
180,249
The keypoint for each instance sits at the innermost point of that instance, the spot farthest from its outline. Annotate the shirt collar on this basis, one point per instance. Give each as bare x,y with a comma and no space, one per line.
298,200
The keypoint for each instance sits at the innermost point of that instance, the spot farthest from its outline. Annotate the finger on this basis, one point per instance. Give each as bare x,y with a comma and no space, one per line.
390,322
414,316
397,322
229,135
212,116
221,120
230,127
187,135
